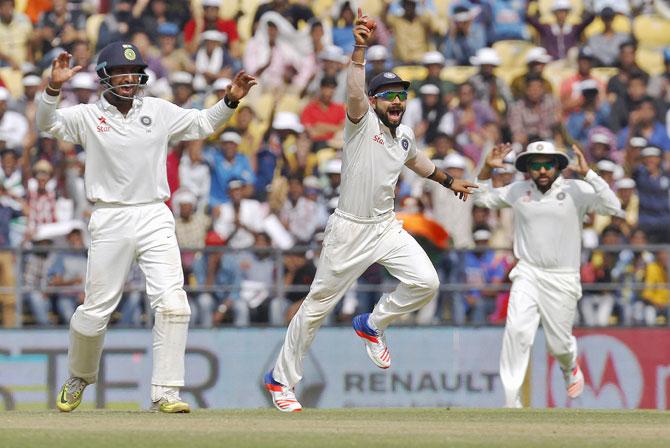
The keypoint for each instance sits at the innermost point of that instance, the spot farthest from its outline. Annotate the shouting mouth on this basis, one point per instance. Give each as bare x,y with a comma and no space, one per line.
394,114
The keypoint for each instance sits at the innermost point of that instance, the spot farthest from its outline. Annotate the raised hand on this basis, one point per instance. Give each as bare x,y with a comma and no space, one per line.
240,86
462,188
582,166
363,28
496,157
61,71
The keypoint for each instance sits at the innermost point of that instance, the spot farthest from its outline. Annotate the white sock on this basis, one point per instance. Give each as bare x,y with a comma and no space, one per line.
158,392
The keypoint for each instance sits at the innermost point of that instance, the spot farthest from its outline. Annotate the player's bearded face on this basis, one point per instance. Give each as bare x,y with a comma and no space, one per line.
543,170
125,81
390,111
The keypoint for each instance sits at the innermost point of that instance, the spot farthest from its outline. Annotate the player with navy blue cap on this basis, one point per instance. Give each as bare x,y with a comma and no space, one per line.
363,229
126,138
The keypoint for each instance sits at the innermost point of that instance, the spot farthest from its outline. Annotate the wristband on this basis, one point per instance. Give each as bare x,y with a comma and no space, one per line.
448,181
360,46
51,91
229,103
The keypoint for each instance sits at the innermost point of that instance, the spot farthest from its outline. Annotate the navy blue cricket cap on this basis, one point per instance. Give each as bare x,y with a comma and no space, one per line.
385,79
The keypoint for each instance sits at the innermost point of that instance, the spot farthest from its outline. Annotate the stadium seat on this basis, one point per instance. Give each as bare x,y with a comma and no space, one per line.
652,31
458,73
512,52
604,73
556,72
508,74
650,59
411,72
93,27
621,24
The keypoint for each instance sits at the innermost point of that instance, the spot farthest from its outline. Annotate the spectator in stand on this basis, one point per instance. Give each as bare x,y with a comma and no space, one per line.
630,201
35,279
83,56
294,12
629,272
153,17
11,175
659,87
331,193
206,19
68,270
601,145
25,104
41,198
423,114
535,114
250,129
223,277
323,117
173,57
301,160
13,126
570,90
560,37
181,84
300,215
299,272
15,33
508,21
377,57
489,88
416,31
141,40
643,122
464,36
653,186
627,65
636,91
656,295
195,173
227,164
331,60
593,112
605,45
83,89
57,30
343,25
118,25
258,280
536,59
596,305
213,60
239,219
466,120
10,208
434,63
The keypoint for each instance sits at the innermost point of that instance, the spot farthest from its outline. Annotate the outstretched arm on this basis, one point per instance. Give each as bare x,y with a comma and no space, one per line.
602,200
422,165
357,99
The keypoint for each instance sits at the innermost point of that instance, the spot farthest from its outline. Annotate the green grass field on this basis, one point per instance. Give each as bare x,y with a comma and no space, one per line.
337,427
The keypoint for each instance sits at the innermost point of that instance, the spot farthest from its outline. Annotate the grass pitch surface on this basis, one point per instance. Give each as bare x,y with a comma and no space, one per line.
337,427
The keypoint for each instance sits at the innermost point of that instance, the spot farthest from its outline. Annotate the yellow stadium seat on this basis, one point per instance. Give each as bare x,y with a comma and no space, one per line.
512,52
652,31
322,8
556,72
13,80
371,8
508,74
442,7
458,73
411,72
650,60
93,27
604,73
621,24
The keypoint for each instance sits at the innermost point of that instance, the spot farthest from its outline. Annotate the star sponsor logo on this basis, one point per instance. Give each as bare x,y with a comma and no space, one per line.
378,139
612,376
103,126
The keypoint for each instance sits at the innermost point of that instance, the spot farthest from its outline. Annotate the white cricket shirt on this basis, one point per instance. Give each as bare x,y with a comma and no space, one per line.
371,163
126,155
548,227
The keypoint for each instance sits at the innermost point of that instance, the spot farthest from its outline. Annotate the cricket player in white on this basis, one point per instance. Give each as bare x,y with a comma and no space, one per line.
363,230
126,140
548,215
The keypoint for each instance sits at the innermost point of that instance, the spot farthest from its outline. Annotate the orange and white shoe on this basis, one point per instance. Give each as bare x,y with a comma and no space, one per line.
283,397
375,342
574,382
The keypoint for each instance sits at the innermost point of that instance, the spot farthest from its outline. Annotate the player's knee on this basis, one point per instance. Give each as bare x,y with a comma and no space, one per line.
426,286
520,337
174,303
88,323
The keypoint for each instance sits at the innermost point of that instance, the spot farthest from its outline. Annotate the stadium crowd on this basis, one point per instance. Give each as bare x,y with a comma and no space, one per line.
251,203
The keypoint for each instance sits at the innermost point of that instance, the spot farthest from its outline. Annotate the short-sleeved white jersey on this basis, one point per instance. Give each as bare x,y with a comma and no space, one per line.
371,165
548,226
126,155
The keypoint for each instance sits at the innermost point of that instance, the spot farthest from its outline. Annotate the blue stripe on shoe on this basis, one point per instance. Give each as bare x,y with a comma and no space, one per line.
360,323
268,379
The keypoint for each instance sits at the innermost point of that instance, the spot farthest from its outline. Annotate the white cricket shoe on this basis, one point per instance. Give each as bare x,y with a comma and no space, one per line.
574,382
283,397
375,341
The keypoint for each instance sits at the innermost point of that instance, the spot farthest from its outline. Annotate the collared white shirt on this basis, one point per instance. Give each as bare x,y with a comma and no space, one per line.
548,226
371,164
126,155
13,129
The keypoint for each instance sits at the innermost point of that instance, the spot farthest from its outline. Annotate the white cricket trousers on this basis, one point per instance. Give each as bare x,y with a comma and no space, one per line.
537,294
351,244
119,236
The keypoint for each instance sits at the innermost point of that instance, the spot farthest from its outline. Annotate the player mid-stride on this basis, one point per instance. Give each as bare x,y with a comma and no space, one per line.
548,215
363,230
126,140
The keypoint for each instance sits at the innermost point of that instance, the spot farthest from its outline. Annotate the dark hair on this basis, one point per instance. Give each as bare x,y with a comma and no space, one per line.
628,43
530,77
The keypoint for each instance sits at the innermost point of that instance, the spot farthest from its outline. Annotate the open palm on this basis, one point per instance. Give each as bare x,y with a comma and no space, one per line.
496,157
61,71
240,86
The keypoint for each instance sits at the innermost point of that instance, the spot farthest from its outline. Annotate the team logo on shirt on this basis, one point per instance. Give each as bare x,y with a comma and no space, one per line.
405,144
560,196
145,120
